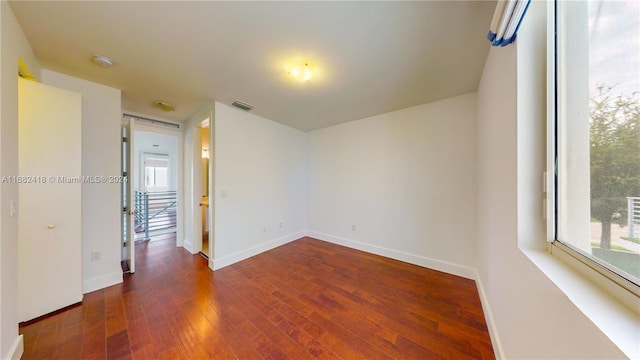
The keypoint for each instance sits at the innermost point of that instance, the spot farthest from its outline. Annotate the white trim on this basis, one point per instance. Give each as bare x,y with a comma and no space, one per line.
444,266
614,282
101,282
16,350
550,188
196,194
134,114
216,264
488,317
188,246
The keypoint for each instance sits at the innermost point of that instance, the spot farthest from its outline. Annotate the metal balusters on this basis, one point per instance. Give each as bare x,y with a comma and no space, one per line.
155,212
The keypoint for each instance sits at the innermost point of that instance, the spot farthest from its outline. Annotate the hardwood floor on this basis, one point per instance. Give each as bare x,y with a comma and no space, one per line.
304,300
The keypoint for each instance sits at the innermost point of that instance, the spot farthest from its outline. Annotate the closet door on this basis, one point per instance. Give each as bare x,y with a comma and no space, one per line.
49,204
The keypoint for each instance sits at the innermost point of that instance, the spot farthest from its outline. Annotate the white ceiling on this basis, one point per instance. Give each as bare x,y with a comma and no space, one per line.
371,57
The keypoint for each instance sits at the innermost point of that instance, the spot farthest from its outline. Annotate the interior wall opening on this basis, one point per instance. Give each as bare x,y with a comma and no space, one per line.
155,185
205,203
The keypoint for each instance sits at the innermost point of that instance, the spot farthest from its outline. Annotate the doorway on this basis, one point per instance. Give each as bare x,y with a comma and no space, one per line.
155,185
199,183
205,203
152,161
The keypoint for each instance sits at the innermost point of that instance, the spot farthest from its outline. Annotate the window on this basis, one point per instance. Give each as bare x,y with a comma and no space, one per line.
156,174
597,134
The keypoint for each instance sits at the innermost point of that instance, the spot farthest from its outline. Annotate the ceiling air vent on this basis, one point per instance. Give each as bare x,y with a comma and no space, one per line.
242,105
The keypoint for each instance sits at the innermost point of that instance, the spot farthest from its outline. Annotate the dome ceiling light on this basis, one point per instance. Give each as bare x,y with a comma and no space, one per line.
301,71
163,105
103,61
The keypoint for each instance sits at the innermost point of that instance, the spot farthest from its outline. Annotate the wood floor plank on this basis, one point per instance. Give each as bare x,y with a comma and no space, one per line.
286,320
308,299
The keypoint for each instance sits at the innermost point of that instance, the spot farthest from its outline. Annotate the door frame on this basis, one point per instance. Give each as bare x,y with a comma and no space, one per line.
178,133
193,243
193,183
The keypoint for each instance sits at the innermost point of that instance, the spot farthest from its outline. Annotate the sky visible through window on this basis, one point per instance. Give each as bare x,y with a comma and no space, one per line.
614,45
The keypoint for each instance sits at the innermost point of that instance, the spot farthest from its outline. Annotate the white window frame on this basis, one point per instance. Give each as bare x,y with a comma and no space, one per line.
615,284
169,169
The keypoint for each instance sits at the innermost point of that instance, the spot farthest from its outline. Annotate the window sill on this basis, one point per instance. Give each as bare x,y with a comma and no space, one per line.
619,323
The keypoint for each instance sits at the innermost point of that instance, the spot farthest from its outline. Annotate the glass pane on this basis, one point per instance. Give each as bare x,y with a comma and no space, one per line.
614,112
150,177
599,131
161,178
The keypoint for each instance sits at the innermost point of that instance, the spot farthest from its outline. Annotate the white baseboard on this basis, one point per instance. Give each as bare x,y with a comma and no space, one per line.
188,246
488,317
16,350
101,282
219,263
444,266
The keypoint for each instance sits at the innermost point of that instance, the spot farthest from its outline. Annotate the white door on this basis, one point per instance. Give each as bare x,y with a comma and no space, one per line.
50,199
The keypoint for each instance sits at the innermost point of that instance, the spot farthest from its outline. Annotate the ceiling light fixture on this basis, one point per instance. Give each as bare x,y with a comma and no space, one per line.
302,71
163,105
103,61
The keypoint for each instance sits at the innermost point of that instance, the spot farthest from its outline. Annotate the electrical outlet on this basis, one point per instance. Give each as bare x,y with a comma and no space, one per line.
353,227
96,255
281,224
264,229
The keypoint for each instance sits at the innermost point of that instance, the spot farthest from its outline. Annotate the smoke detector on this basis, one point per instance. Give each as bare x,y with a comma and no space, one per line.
103,61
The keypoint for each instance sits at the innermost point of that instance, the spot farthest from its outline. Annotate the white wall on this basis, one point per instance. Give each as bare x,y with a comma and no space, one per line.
532,318
101,223
13,44
405,180
260,170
